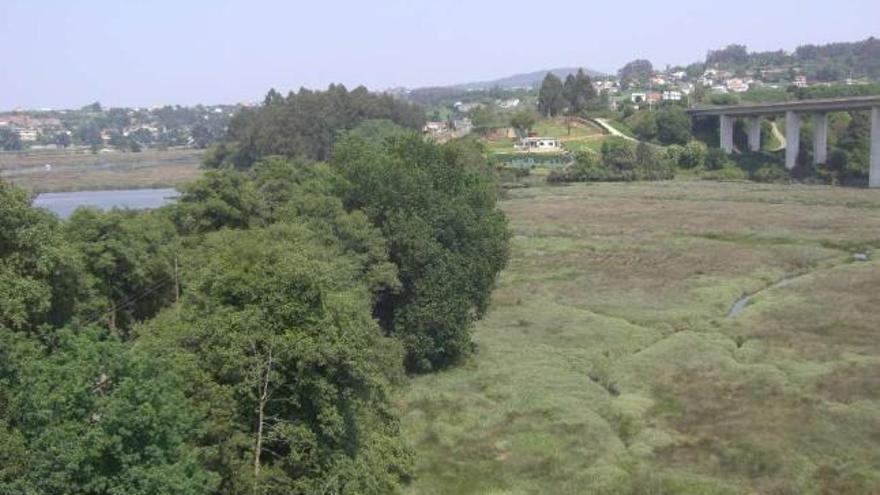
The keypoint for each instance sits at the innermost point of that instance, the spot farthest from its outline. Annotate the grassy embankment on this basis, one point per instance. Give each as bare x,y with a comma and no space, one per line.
608,364
88,171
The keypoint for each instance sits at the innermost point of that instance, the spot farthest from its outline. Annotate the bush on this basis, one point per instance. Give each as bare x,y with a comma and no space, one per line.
717,159
619,161
674,153
644,125
693,155
673,126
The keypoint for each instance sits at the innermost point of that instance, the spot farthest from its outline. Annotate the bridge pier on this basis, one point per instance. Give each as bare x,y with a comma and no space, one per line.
726,133
792,138
820,138
874,171
755,133
794,110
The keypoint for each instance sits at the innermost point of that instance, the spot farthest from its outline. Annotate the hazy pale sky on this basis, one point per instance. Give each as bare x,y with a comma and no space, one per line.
65,53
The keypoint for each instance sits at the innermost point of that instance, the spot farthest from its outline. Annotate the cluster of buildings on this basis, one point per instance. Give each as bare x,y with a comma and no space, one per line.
50,129
675,85
30,128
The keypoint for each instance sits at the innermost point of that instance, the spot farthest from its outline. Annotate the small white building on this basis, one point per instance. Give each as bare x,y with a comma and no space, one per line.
800,81
28,135
506,104
435,128
672,96
466,107
638,97
463,126
539,144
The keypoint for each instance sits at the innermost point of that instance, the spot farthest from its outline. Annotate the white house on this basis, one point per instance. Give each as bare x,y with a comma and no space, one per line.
672,96
638,97
28,134
435,128
539,144
737,85
511,103
466,107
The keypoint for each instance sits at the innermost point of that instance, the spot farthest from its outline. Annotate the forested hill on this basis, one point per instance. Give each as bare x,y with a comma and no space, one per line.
526,80
831,62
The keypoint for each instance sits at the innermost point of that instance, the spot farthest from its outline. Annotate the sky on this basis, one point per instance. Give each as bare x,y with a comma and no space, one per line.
66,54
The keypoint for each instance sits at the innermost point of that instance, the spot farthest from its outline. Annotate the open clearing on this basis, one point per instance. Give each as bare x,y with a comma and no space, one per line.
575,135
608,364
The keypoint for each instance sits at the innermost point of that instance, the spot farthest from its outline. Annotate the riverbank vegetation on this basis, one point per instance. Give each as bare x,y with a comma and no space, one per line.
249,337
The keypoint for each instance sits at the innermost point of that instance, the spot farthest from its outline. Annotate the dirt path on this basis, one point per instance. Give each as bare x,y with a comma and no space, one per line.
778,135
603,123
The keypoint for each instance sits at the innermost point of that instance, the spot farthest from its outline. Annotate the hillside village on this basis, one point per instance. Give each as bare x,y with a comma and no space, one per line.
726,76
114,129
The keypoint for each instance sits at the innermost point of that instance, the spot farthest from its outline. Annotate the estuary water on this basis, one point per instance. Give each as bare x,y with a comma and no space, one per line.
63,204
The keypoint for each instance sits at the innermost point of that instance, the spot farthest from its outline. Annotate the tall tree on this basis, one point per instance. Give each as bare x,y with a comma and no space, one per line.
522,122
551,97
130,259
297,371
436,206
99,417
639,70
39,271
307,123
9,140
579,92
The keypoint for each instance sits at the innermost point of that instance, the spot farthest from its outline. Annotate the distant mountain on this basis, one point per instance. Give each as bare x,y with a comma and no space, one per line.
527,80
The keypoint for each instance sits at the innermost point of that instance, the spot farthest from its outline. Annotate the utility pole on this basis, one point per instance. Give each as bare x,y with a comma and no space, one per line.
176,283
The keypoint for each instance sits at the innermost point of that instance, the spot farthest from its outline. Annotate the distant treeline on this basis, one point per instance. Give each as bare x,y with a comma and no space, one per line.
831,62
307,123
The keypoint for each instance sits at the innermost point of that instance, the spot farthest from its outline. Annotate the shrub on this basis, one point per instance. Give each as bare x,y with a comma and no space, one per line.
619,161
673,126
717,159
693,155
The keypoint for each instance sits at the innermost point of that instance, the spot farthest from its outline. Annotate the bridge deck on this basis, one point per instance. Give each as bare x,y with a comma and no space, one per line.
824,105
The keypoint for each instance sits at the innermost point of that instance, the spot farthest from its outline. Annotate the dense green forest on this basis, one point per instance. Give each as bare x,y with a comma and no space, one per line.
307,123
246,338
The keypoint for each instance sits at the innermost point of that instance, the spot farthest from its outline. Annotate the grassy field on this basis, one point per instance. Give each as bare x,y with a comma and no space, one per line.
608,363
575,137
88,171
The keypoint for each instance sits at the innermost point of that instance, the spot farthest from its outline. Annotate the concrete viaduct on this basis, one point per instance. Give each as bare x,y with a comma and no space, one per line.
793,112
